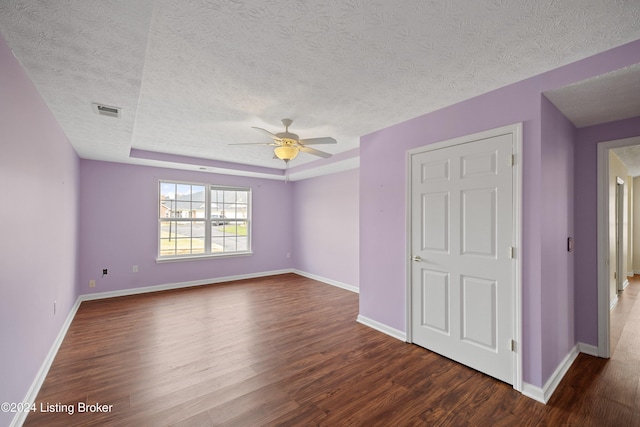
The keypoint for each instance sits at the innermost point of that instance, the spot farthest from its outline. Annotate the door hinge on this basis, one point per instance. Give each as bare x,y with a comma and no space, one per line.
513,160
512,345
615,275
512,252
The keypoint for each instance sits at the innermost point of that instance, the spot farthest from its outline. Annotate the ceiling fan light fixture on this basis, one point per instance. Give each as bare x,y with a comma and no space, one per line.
286,152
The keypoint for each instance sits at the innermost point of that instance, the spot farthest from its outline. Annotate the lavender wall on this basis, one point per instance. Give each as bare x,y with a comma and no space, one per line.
325,233
586,221
38,225
118,228
557,205
382,201
383,254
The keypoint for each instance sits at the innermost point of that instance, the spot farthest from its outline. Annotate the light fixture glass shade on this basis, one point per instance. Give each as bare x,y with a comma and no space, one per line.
286,152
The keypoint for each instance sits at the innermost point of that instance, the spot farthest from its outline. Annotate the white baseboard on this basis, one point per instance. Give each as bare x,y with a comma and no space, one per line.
169,286
382,328
613,302
630,274
533,392
625,284
33,391
544,394
591,350
559,373
328,281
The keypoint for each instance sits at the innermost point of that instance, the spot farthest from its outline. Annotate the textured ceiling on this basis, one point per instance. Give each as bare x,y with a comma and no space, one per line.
602,99
194,76
630,156
606,98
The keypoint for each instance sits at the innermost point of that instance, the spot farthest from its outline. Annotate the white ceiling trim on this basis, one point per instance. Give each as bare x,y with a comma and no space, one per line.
343,165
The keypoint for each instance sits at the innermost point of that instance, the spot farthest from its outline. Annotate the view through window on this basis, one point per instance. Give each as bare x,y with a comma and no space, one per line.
203,219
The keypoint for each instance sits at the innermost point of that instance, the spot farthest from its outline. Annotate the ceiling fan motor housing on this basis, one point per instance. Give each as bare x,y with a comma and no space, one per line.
284,136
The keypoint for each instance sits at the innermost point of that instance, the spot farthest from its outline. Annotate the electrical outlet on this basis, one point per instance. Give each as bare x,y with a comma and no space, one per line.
92,283
104,271
135,269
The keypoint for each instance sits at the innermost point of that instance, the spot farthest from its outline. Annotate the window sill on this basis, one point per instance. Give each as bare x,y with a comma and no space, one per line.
198,257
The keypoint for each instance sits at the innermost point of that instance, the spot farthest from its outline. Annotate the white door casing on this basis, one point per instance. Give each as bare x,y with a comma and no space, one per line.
464,295
620,273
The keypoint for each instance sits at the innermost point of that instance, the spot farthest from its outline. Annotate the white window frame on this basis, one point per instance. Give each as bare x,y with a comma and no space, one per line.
207,222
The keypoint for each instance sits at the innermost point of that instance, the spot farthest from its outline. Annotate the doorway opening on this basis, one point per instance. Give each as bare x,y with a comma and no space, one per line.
614,234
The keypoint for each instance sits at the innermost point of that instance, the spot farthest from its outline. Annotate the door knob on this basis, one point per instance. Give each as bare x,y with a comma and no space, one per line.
417,258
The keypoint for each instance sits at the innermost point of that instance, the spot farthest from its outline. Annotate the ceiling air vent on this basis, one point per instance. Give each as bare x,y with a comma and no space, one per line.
106,110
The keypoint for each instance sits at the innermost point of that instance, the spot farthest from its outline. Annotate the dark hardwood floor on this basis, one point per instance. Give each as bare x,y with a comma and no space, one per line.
286,350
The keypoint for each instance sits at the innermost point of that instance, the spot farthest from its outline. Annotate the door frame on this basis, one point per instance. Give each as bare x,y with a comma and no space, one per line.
620,273
516,131
604,308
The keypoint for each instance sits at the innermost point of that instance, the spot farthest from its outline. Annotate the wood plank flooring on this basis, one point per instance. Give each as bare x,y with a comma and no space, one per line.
286,350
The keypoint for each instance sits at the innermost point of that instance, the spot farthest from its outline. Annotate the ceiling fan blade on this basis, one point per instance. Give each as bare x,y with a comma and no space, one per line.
313,151
312,141
273,144
271,135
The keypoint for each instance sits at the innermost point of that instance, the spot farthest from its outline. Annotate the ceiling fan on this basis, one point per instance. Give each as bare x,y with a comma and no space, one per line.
288,145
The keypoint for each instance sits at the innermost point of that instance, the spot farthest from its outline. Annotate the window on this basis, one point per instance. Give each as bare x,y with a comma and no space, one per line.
198,220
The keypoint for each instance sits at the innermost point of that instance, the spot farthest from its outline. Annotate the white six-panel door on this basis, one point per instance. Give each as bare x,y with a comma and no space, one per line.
462,238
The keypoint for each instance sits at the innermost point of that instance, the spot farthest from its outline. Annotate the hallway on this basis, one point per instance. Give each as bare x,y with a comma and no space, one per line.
625,328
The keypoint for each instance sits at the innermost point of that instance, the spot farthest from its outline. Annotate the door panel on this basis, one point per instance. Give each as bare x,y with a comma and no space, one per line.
435,300
435,213
479,222
462,228
435,171
479,311
481,164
